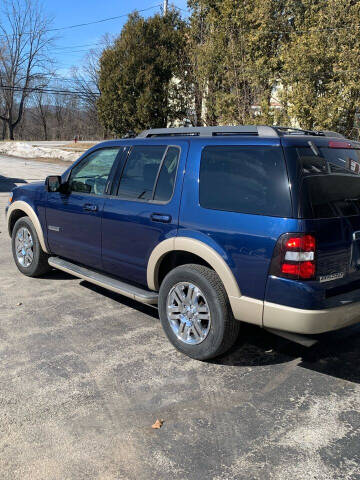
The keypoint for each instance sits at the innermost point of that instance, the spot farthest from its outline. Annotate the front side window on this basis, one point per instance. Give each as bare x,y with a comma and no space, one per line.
91,175
246,179
149,173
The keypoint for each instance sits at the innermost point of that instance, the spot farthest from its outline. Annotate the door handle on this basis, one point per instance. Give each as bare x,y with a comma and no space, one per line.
158,217
89,207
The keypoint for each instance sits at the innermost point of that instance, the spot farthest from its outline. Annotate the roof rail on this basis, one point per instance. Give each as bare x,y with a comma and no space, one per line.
260,130
228,130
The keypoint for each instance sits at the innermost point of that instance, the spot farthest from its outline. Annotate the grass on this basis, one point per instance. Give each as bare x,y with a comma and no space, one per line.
79,147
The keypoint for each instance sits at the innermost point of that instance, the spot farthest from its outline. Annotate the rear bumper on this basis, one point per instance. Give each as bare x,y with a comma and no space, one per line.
282,317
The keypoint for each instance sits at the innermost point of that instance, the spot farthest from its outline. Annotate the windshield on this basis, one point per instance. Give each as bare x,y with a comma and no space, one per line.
330,181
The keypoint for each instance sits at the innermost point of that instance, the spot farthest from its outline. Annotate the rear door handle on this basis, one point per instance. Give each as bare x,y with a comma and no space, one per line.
158,217
89,207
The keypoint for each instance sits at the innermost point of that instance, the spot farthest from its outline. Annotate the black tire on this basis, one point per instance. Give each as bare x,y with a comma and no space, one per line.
224,329
39,264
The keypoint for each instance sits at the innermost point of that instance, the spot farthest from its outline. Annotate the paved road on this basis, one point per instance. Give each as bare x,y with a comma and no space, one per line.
84,373
16,171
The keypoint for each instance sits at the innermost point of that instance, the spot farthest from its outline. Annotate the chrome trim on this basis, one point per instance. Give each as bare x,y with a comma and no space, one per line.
24,247
188,313
356,235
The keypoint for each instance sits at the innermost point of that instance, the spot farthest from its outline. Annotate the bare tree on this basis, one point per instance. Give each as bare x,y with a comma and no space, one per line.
24,43
86,79
42,111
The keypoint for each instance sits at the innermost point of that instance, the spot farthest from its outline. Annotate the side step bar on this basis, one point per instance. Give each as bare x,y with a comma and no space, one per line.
136,293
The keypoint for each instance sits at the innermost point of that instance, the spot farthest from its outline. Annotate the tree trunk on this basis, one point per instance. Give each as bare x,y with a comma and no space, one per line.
198,105
4,130
11,131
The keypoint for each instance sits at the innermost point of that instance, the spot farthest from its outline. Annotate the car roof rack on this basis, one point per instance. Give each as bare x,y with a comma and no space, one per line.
258,130
228,130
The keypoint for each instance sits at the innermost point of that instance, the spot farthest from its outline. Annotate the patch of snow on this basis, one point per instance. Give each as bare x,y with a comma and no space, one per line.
25,150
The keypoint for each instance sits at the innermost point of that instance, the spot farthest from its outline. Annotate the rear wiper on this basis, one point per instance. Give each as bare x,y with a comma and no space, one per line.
314,148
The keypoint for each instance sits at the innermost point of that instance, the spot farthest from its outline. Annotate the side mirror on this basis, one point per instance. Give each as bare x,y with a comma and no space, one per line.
53,183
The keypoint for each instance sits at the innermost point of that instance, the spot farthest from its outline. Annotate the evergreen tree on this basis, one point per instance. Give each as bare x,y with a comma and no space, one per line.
309,48
138,75
238,56
320,75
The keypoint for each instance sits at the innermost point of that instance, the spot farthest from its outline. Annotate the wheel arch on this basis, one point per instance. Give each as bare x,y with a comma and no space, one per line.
197,248
19,209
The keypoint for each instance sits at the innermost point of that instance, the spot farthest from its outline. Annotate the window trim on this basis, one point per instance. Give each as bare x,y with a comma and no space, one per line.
110,178
150,200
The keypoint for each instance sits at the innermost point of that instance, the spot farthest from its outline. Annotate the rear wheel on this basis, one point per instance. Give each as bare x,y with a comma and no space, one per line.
29,257
195,312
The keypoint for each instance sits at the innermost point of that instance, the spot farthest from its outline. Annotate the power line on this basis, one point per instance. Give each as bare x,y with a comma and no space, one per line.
102,20
89,23
288,31
47,90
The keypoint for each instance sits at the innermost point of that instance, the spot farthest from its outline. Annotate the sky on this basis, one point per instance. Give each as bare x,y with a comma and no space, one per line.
68,49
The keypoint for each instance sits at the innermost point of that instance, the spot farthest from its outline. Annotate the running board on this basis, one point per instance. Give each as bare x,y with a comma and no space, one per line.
136,293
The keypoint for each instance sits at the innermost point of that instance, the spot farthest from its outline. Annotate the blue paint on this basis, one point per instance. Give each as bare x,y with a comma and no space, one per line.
119,237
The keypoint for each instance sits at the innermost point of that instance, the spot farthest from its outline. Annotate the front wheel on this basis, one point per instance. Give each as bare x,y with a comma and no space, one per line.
195,312
29,257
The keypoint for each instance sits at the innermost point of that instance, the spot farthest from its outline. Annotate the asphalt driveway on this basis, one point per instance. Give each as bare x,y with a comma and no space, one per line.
84,373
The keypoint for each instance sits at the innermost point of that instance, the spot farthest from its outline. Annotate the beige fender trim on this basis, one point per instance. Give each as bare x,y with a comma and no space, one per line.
25,207
244,308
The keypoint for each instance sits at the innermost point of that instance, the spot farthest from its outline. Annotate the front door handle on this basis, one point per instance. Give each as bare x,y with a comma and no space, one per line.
89,207
158,217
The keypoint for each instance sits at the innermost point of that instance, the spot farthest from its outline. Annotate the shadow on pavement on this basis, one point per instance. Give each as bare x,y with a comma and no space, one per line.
140,307
336,354
8,183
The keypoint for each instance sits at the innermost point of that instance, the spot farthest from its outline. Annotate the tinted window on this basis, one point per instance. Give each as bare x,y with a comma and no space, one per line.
91,175
140,172
330,182
328,160
167,175
247,179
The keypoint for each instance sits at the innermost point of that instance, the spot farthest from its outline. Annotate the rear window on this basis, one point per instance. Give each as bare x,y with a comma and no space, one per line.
246,179
329,182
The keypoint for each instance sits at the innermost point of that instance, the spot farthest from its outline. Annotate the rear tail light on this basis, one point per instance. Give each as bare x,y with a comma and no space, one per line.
294,257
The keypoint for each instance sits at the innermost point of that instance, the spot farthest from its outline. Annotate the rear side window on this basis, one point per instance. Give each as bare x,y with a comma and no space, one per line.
167,176
140,172
150,173
246,179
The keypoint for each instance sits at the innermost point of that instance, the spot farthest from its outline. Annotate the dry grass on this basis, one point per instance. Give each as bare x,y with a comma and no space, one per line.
57,161
78,147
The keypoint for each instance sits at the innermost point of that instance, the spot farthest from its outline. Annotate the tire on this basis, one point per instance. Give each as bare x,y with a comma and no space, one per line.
218,333
39,262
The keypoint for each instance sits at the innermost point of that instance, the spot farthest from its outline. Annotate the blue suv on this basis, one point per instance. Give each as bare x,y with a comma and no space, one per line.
215,225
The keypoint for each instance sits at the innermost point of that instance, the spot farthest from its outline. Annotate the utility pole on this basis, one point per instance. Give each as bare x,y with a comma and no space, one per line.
165,8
